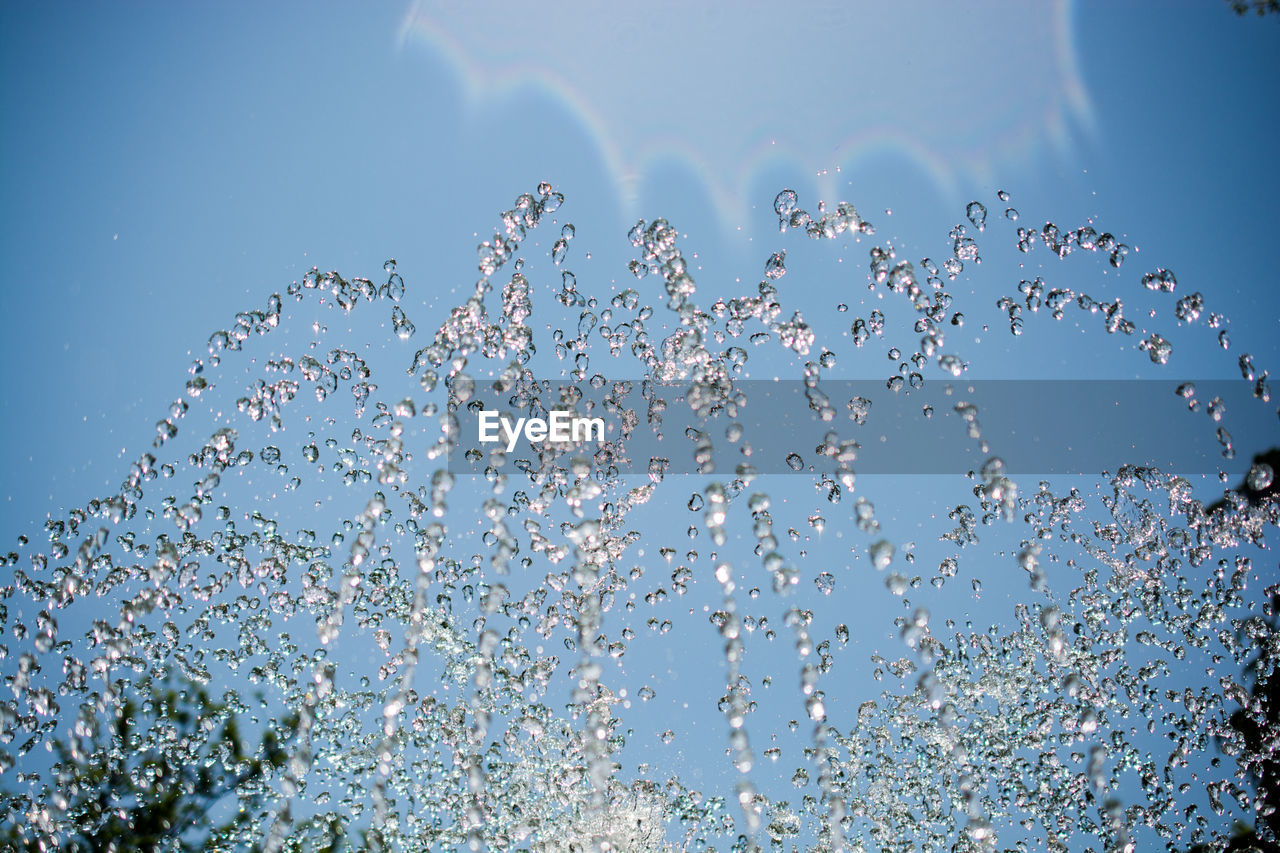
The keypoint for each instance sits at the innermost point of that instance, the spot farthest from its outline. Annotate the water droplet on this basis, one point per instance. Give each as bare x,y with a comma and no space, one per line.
881,554
785,202
977,214
1260,477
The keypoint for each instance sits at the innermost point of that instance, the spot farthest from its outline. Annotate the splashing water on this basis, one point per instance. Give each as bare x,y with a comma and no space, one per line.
450,659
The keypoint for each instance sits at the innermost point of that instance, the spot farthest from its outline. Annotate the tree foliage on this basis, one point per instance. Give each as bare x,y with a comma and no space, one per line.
1252,731
1262,7
171,771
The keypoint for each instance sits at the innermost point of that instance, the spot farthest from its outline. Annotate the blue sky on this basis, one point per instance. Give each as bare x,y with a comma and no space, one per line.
164,166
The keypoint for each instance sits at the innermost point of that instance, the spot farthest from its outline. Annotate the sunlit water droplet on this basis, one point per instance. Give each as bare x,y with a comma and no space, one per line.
466,661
